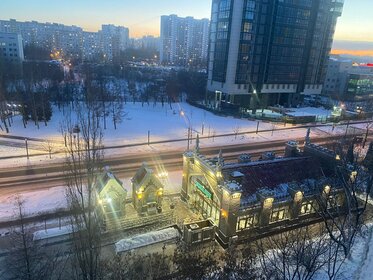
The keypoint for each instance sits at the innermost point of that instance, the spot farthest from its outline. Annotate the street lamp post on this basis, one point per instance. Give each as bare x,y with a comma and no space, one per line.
182,113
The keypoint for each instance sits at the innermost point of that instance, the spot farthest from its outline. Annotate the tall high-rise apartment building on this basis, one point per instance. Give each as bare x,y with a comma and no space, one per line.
114,39
267,52
91,45
183,40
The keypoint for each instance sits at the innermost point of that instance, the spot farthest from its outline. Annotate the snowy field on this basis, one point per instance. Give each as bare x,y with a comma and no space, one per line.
163,123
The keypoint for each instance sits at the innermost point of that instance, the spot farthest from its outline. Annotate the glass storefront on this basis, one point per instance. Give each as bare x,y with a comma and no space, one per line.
204,200
360,85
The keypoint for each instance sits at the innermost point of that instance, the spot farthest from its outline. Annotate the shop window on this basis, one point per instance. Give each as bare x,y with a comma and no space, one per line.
278,215
246,222
307,208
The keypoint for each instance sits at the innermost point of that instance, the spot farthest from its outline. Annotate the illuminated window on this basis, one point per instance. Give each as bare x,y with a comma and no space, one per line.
278,215
307,208
246,222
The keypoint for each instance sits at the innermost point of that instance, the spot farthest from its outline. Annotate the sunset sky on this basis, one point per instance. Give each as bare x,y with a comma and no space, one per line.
143,16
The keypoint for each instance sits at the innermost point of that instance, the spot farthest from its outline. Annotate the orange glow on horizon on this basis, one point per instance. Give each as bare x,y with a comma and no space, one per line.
353,52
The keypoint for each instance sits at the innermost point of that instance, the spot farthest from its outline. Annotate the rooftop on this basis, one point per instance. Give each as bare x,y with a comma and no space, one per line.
273,173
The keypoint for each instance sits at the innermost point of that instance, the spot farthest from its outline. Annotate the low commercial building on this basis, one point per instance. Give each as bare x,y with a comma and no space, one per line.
147,191
350,84
247,197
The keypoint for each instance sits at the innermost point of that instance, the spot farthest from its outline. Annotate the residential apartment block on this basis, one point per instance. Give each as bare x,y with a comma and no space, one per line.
184,41
11,47
70,40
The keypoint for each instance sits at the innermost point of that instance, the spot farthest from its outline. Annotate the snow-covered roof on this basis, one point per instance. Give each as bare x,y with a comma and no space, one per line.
146,239
104,179
272,176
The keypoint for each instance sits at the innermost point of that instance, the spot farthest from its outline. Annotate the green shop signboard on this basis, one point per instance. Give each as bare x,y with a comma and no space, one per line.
203,189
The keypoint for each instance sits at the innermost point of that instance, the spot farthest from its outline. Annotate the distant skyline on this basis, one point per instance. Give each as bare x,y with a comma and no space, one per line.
142,17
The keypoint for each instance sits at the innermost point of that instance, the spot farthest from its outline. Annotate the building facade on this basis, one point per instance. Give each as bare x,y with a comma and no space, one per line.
349,82
91,45
114,39
11,47
244,198
267,52
147,191
70,41
183,41
148,43
111,195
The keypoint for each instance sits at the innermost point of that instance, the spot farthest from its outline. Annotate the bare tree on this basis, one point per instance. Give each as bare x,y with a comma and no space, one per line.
342,206
294,254
83,162
195,262
29,260
49,147
238,264
138,267
116,101
236,131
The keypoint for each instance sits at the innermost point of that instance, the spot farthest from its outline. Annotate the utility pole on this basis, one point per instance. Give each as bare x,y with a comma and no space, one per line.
27,148
188,137
257,127
148,137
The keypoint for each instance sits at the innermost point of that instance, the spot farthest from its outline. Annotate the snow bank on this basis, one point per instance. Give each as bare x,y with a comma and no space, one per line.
146,239
52,232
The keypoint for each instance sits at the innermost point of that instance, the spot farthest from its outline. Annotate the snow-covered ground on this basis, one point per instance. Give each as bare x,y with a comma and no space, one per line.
53,199
52,232
360,264
309,111
146,239
163,123
35,203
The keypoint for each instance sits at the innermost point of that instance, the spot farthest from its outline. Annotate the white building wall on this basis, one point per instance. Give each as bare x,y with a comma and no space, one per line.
11,47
